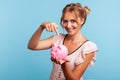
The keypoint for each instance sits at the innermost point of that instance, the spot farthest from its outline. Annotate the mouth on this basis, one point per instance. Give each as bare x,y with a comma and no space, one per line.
69,30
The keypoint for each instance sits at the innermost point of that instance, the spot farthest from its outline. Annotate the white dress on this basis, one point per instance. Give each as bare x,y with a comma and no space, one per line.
77,57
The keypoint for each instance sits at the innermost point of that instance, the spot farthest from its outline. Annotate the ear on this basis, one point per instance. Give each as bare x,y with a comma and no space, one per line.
82,20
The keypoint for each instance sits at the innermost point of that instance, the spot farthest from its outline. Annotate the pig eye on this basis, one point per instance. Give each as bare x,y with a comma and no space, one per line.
55,51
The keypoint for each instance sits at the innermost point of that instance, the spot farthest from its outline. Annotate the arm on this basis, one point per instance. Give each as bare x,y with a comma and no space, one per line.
78,71
36,43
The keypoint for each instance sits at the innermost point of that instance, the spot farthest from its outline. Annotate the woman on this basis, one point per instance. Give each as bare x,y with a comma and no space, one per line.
81,51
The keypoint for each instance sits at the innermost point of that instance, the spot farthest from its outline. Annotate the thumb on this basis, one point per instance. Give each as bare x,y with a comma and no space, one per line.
67,59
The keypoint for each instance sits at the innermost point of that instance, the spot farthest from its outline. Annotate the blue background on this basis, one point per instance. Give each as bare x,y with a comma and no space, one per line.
19,19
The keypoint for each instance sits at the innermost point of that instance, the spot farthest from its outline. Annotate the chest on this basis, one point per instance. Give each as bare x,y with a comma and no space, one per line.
72,47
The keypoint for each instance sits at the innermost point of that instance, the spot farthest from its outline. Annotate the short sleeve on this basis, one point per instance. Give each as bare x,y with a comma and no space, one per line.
87,48
58,38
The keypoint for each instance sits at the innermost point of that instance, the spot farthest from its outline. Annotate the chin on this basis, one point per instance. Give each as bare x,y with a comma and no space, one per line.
70,33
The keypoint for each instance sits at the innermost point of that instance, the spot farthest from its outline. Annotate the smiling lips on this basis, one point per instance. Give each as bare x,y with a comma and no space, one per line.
69,30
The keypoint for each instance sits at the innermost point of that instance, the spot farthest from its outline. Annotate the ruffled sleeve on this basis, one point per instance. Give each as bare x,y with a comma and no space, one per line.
87,48
58,39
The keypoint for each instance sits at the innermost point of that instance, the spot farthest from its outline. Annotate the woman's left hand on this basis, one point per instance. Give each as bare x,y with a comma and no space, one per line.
59,61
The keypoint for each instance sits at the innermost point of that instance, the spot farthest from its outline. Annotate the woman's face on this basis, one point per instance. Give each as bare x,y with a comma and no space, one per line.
70,24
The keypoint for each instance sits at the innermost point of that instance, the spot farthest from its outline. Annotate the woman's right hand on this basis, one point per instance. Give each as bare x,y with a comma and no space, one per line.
36,43
50,26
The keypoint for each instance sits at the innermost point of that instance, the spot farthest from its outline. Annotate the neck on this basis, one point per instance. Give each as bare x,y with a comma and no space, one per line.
76,37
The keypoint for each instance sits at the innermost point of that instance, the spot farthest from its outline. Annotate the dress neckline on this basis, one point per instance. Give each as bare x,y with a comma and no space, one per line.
76,48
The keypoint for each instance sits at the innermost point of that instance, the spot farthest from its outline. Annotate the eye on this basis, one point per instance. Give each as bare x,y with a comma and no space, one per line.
64,21
72,21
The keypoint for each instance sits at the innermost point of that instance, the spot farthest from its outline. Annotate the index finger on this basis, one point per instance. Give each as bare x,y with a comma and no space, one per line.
57,32
56,29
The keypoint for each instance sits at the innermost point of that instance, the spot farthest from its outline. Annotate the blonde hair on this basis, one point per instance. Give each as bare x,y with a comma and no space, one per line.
77,10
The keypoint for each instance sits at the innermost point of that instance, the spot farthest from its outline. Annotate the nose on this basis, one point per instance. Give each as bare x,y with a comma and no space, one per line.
68,25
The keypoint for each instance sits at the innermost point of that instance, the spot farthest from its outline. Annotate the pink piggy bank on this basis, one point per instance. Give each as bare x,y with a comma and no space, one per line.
59,52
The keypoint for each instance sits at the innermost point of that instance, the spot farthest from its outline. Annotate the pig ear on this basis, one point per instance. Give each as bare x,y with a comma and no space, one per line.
53,45
59,47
